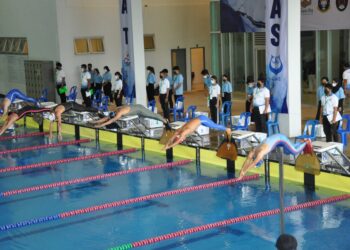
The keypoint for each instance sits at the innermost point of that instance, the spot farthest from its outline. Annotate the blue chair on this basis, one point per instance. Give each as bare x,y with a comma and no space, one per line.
245,126
97,99
226,116
344,131
306,135
190,113
152,105
272,124
179,109
104,104
43,97
72,94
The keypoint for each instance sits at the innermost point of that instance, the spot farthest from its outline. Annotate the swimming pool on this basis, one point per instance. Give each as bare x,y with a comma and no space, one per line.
322,227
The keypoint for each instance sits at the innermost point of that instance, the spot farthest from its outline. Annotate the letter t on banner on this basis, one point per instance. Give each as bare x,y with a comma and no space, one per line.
283,62
133,52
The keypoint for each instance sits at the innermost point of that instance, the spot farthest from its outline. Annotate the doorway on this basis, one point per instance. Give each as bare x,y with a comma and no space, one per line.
197,65
178,58
259,62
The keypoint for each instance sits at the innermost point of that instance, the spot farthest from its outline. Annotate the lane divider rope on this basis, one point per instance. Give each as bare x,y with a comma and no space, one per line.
125,202
53,145
225,223
68,160
27,135
94,178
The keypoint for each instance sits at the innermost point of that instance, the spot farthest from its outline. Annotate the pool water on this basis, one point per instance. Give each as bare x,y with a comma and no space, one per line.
322,227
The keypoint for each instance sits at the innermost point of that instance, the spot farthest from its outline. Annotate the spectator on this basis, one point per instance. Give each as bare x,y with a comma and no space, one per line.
330,118
346,78
98,79
226,89
85,85
249,91
260,106
206,78
171,92
117,89
151,80
178,82
92,73
339,92
164,87
61,82
214,96
107,83
320,93
286,242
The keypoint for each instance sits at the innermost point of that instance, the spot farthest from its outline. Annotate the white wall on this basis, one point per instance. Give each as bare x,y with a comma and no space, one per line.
180,23
35,20
86,18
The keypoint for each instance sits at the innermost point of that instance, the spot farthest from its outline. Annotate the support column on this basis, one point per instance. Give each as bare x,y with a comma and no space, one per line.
290,124
215,36
133,52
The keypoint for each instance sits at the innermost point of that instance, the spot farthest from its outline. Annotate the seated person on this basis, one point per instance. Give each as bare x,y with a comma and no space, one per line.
131,110
57,112
191,126
11,97
15,116
256,156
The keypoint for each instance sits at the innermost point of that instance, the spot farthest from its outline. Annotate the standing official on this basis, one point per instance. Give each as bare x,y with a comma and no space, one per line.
61,82
260,106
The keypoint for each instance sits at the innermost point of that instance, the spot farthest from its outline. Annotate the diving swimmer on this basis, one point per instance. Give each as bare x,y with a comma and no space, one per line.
256,156
191,126
11,97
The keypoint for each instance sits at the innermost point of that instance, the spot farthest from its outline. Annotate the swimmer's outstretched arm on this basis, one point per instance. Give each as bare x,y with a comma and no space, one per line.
118,114
102,120
8,123
257,153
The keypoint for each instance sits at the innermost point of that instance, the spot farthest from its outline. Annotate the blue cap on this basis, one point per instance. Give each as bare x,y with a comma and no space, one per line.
1,111
259,163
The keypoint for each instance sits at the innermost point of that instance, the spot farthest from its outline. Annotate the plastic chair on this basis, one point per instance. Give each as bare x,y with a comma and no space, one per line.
272,124
43,97
224,115
306,135
344,131
104,104
245,126
152,105
178,109
72,94
97,99
190,113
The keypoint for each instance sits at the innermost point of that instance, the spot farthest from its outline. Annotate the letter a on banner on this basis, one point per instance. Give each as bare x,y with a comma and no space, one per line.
128,69
277,53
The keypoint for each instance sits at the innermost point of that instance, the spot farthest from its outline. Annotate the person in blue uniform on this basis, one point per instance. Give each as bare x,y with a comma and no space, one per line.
339,92
320,94
227,89
181,134
150,81
178,82
256,156
11,97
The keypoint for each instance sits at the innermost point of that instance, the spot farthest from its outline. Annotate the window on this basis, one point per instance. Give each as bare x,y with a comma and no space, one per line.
149,42
91,45
13,45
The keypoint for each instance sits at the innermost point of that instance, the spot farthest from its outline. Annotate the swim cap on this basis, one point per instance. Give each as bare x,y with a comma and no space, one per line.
1,111
259,163
50,116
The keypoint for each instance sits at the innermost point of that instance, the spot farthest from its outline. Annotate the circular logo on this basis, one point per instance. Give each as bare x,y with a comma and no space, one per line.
323,5
342,4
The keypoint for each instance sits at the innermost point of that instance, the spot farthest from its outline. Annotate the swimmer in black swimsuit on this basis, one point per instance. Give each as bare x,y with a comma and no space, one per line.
15,116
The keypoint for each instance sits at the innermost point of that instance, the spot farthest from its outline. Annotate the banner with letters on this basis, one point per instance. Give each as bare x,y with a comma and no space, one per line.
249,15
277,53
128,70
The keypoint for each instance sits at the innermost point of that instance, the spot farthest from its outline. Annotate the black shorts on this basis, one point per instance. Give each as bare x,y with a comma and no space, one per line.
72,106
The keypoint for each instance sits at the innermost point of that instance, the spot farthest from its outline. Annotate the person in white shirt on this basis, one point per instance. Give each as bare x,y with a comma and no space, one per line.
117,89
60,82
346,78
260,106
330,117
164,87
215,98
85,85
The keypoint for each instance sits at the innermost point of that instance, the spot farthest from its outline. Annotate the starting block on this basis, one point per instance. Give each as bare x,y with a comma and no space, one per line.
82,116
128,121
48,105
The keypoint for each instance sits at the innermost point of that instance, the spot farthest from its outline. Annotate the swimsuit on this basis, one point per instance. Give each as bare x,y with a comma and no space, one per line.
16,94
29,109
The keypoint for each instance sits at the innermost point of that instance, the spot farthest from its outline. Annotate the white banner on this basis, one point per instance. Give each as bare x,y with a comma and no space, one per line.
277,53
128,70
325,14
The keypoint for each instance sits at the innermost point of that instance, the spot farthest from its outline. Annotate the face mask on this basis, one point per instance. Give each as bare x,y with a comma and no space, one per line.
205,77
334,84
258,85
213,82
251,85
326,92
225,80
82,70
117,77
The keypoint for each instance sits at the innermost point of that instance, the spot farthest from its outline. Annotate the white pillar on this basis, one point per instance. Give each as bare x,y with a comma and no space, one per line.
290,124
133,47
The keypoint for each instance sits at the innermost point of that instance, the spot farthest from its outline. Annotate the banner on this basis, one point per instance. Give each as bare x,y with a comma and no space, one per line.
249,15
128,70
277,53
